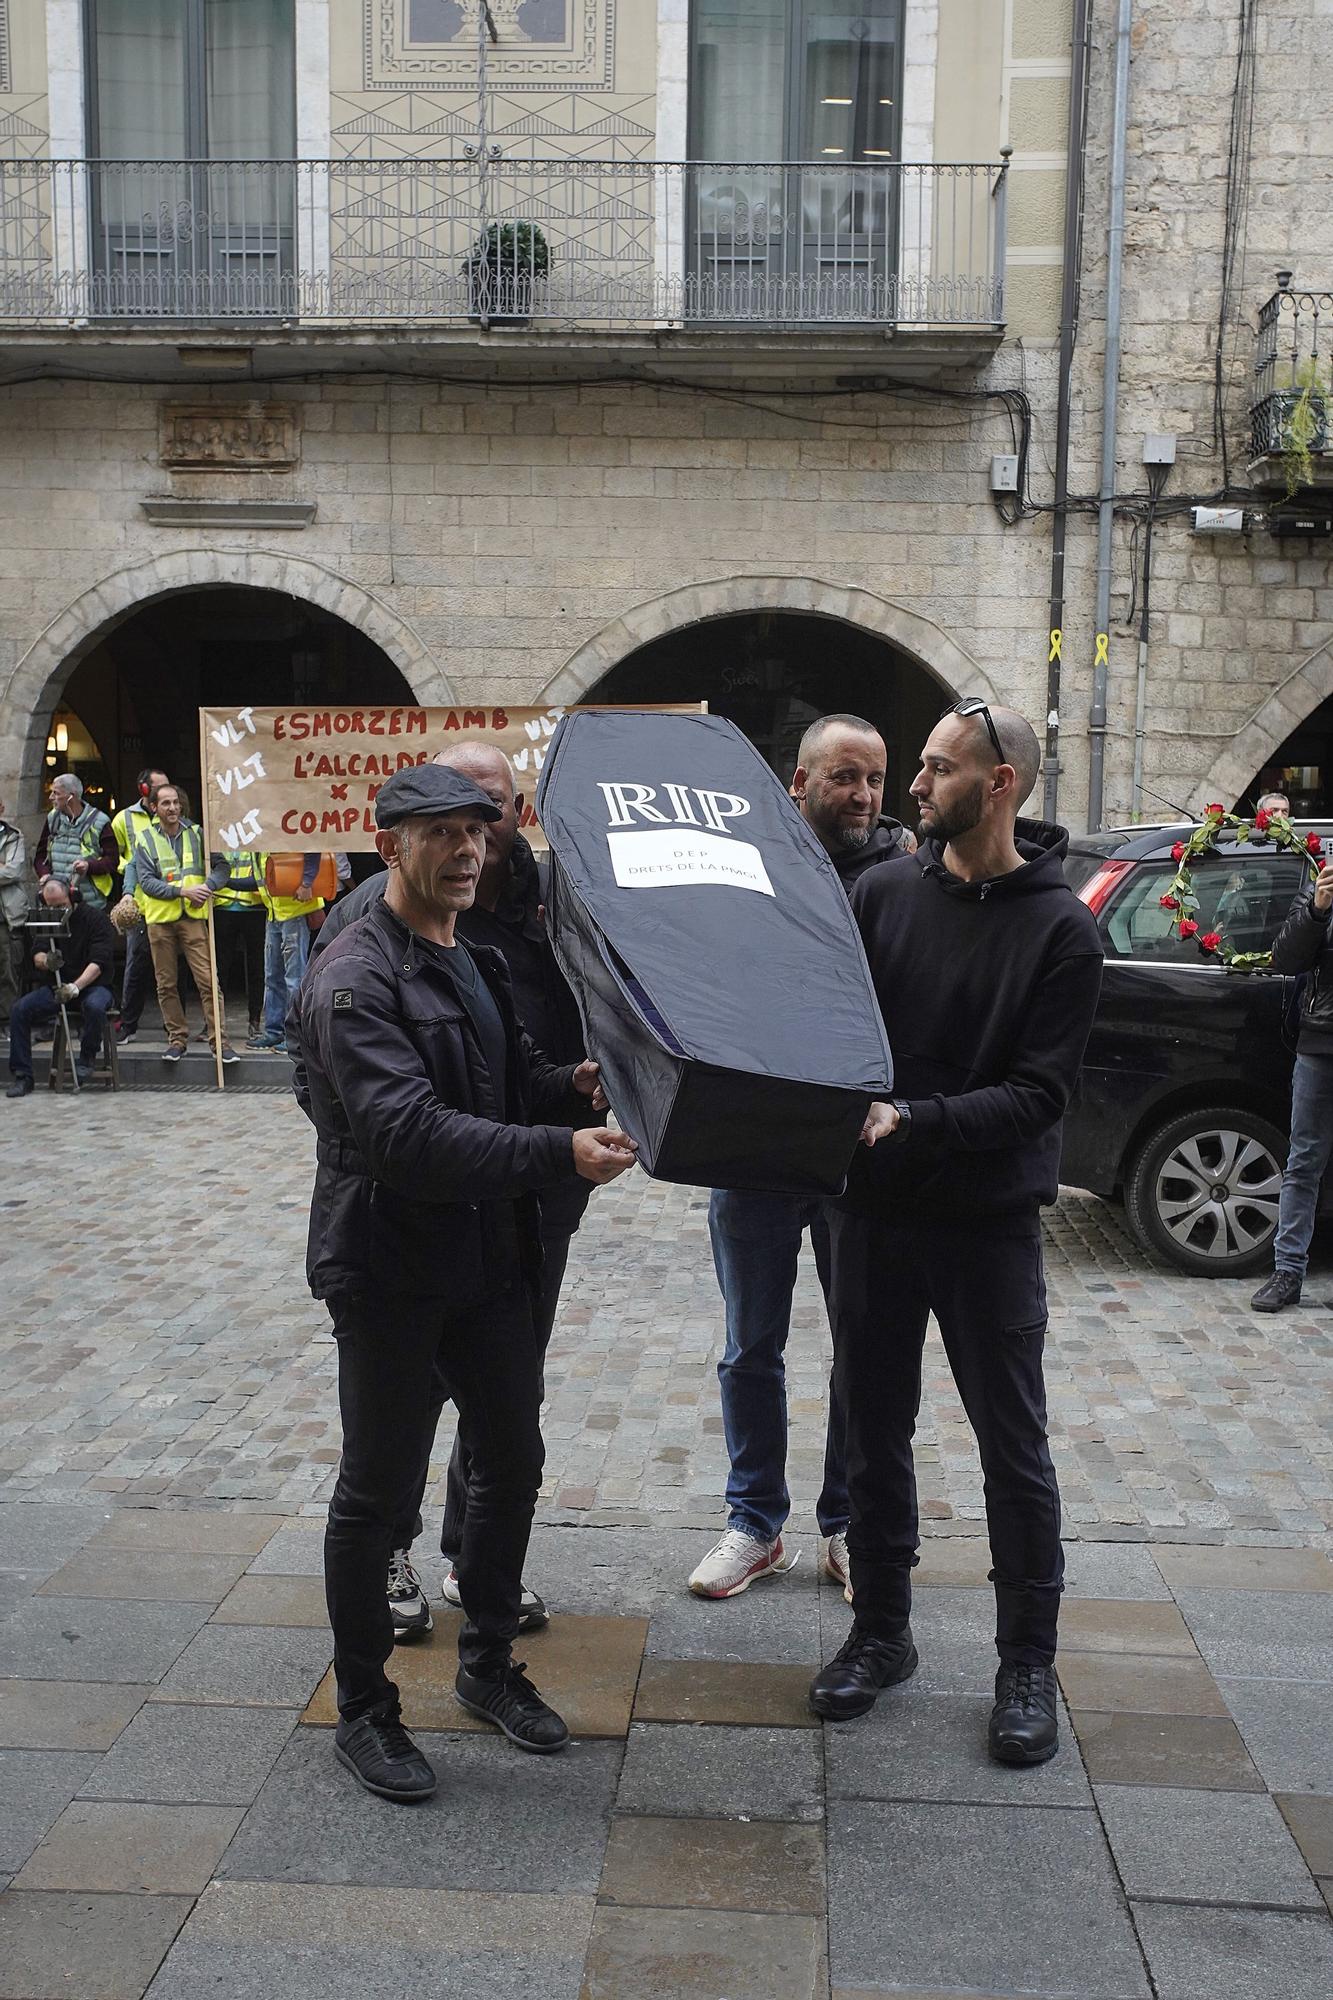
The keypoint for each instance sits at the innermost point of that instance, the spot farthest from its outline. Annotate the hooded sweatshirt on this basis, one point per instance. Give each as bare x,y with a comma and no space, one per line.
988,992
884,844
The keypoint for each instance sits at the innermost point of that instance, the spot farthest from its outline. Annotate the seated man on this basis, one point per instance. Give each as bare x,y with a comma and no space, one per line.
86,958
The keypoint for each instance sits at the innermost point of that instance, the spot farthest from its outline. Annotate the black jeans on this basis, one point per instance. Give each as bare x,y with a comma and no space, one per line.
987,1289
242,931
391,1351
555,1256
138,981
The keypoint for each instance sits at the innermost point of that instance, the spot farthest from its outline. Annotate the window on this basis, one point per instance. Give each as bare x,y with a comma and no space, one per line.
813,80
190,83
1245,894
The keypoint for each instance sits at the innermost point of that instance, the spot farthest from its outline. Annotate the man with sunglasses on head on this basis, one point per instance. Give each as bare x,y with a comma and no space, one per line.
987,969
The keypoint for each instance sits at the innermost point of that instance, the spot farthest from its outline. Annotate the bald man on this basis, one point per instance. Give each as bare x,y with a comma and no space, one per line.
987,970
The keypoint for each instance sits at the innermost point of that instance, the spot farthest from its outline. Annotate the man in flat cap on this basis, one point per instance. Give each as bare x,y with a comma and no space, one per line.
424,1245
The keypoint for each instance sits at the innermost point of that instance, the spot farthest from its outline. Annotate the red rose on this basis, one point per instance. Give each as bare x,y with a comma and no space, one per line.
1188,927
1211,940
1262,821
1168,902
1178,851
1314,844
1216,812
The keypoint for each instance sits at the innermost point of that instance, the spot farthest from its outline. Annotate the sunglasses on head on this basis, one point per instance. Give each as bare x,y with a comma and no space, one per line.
974,705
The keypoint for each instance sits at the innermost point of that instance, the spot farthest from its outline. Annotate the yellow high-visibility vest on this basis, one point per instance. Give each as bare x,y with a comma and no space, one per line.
188,871
244,888
129,826
282,907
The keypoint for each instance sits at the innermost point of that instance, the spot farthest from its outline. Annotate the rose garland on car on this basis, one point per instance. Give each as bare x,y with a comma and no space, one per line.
1181,899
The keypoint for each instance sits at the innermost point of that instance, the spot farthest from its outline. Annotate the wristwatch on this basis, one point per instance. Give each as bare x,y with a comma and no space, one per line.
903,1129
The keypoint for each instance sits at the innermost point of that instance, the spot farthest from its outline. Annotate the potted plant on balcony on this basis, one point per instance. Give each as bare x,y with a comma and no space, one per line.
1302,424
502,269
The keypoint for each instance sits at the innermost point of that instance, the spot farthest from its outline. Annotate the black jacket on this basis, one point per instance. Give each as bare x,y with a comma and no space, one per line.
988,991
89,941
886,842
423,1182
1305,944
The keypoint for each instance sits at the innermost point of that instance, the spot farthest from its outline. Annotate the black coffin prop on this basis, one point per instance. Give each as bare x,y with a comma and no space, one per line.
711,950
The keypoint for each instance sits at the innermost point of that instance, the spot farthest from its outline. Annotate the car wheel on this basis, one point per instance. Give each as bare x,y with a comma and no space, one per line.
1202,1191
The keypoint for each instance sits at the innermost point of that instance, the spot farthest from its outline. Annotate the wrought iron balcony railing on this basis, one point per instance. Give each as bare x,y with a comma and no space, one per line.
1293,372
564,243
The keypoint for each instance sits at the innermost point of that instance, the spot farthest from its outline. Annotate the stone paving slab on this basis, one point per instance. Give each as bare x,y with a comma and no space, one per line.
698,1954
207,1754
151,1850
95,1947
145,1575
915,1745
251,1940
1011,1899
1194,1752
66,1715
1261,1634
500,1820
97,1639
716,1772
1288,1731
1204,1848
714,1864
35,1788
1200,1954
274,1668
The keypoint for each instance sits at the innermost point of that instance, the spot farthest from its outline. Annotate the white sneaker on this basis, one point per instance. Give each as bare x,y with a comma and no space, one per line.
737,1561
833,1562
532,1612
407,1600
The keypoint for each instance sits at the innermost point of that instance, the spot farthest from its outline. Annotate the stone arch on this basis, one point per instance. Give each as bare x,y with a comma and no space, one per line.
924,641
41,673
1272,723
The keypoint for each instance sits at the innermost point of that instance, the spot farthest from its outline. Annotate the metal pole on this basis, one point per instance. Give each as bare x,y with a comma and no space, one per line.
1115,249
1069,294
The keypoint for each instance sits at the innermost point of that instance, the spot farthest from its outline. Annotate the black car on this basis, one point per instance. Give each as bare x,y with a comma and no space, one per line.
1183,1103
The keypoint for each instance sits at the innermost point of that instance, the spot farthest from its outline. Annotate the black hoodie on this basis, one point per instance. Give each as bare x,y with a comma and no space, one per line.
988,991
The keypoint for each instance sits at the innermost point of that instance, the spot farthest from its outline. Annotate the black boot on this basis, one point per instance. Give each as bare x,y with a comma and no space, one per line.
850,1683
1282,1289
1023,1724
512,1703
20,1087
380,1754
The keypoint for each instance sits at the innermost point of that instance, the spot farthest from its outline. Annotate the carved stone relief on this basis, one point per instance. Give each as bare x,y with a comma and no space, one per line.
229,437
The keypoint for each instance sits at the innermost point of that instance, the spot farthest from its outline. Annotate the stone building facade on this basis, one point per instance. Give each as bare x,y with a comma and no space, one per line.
779,510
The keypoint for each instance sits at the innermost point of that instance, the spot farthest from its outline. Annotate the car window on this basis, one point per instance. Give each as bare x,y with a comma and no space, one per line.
1245,895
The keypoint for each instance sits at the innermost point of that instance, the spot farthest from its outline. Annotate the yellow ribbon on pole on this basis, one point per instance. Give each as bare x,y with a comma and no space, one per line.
1057,641
1102,657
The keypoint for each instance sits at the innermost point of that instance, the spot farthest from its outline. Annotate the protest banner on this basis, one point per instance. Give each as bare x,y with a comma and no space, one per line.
287,780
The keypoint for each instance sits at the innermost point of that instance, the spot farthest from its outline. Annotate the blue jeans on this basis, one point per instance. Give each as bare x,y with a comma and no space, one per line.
286,955
756,1242
41,1005
1307,1157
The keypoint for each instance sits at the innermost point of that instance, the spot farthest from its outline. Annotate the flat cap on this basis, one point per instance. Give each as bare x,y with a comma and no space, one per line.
431,788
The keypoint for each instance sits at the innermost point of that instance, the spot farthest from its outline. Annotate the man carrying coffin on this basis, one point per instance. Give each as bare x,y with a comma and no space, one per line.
756,1238
987,969
424,1244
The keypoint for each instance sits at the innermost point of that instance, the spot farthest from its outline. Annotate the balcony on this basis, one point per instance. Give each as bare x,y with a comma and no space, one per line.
1291,417
524,248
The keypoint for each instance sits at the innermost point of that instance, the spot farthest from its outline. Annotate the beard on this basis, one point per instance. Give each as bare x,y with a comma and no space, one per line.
962,816
851,839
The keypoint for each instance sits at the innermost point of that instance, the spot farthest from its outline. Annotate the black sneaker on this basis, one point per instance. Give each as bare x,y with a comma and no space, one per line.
407,1600
850,1684
172,1053
1282,1289
229,1054
125,1034
380,1754
20,1087
1024,1728
513,1704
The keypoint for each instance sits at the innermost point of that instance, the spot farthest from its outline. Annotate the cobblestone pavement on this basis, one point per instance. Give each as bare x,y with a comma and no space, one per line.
159,1347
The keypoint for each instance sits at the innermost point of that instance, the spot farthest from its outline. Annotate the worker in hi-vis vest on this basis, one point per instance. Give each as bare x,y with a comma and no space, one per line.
76,844
286,948
169,865
129,826
239,920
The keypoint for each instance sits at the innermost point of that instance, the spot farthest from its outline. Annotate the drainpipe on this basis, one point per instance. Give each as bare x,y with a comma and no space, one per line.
1115,249
1069,293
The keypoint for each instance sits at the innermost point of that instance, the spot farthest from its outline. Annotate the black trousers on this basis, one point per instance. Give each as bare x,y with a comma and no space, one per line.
391,1353
987,1290
458,1479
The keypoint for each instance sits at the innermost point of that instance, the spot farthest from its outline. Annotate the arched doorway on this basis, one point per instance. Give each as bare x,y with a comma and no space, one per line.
771,672
138,690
